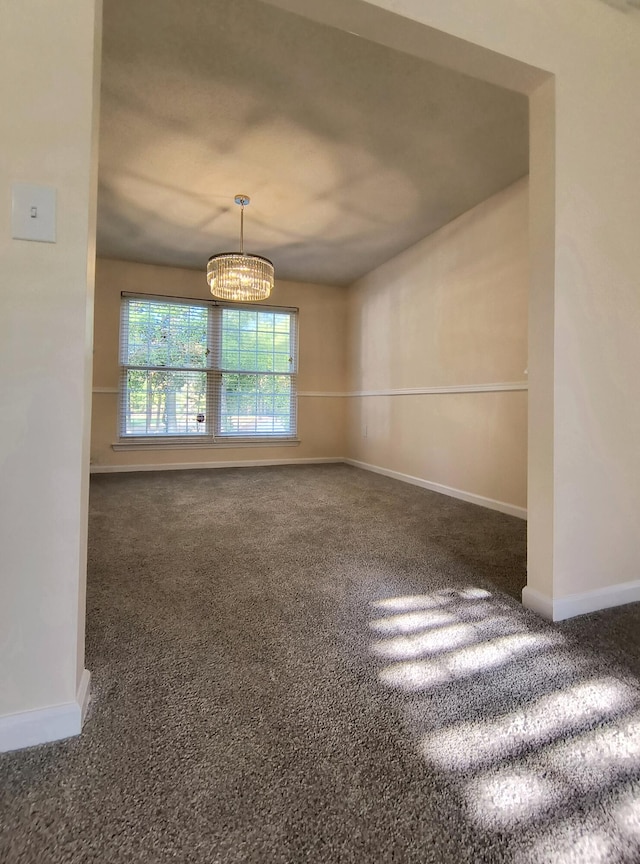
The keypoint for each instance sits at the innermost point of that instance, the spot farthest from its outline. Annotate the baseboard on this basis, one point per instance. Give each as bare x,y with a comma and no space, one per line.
43,725
561,608
83,695
539,603
238,463
502,506
470,497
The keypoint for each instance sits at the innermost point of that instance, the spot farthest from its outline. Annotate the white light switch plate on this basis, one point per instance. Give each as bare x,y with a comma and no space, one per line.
33,212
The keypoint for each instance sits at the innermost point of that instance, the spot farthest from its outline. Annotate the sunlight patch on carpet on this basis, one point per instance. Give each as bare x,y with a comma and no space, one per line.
508,797
598,758
446,638
472,744
429,601
421,674
626,814
410,621
573,841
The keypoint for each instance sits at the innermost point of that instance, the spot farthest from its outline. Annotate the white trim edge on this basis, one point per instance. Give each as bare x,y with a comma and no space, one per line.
561,608
497,387
453,388
43,725
322,394
218,444
539,603
470,497
83,695
182,466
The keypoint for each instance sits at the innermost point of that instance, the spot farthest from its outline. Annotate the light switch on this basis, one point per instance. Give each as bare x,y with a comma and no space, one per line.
33,212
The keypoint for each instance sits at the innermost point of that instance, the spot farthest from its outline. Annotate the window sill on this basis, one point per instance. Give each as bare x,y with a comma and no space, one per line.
205,445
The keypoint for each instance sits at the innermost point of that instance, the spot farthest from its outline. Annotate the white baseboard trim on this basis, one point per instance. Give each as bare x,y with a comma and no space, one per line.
501,506
43,725
539,603
237,463
83,695
491,503
572,605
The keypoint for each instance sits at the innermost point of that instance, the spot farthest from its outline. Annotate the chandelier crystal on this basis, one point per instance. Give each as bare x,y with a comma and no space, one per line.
238,276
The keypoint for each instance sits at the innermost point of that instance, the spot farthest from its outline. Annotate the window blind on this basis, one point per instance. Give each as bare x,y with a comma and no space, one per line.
196,370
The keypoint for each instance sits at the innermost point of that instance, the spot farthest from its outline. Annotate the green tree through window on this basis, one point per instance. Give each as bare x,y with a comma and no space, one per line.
203,370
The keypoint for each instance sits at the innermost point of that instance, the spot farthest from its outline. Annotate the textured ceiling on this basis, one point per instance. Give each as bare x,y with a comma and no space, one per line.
350,151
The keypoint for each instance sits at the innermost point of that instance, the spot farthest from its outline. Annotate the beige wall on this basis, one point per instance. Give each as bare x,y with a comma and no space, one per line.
48,94
449,312
594,52
584,353
322,362
583,513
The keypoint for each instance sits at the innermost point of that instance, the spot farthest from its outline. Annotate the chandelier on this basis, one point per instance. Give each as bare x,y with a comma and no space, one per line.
238,276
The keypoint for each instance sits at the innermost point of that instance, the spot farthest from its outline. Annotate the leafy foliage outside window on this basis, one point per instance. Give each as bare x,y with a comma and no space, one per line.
198,370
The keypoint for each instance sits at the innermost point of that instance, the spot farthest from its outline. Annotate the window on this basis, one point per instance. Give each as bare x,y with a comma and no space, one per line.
198,372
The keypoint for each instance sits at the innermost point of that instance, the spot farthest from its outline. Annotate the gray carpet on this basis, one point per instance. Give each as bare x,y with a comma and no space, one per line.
316,664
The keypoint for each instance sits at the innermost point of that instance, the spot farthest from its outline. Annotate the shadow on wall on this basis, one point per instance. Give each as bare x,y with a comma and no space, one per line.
541,742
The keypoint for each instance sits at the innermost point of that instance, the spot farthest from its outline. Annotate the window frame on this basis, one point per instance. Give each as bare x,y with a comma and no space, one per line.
214,371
